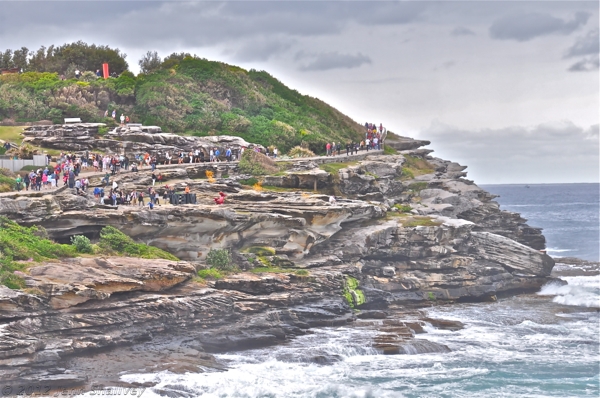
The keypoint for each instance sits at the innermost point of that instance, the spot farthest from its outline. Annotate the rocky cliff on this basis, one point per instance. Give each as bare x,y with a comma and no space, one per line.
407,230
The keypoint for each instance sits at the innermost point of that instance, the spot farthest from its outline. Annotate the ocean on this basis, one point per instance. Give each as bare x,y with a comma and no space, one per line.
537,345
568,213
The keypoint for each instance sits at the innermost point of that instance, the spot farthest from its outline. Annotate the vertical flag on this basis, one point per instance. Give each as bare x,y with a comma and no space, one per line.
105,70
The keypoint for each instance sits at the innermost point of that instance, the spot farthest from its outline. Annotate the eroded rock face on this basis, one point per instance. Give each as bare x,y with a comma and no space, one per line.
404,241
74,281
83,137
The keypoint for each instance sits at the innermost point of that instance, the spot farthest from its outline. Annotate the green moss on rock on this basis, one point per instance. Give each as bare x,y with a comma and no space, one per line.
353,295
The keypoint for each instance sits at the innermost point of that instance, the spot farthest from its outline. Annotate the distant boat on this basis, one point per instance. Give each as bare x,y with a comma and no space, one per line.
526,186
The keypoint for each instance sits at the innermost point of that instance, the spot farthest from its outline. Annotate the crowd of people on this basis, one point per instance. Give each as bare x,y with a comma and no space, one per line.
372,141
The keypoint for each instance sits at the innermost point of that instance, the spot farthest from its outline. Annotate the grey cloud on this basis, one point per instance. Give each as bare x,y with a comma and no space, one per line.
523,27
462,31
588,44
142,24
261,50
589,64
332,60
521,153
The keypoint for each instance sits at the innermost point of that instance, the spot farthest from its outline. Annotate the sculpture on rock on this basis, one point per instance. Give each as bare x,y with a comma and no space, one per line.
221,199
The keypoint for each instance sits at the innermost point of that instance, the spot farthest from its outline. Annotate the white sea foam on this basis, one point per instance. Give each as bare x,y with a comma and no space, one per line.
551,250
582,291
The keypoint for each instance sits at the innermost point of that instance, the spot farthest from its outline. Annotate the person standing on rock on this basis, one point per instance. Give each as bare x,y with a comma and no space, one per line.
228,154
71,179
18,182
122,120
114,114
153,179
328,149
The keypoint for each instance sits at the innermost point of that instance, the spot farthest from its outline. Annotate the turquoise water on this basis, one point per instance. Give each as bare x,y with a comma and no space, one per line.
539,345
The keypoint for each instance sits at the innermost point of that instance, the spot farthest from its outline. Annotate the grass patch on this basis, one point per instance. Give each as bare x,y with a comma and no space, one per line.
388,150
333,168
7,180
420,222
414,166
19,243
260,250
210,273
275,270
114,241
417,186
402,208
11,134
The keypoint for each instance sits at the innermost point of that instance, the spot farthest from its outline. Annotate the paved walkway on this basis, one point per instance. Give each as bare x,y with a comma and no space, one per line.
95,174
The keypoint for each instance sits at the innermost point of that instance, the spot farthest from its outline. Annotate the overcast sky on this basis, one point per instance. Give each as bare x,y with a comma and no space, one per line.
510,88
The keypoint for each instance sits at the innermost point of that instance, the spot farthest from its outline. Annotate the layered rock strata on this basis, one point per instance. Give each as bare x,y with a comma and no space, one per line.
407,230
129,141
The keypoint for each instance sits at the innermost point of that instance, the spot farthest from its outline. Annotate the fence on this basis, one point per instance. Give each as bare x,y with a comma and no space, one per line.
17,164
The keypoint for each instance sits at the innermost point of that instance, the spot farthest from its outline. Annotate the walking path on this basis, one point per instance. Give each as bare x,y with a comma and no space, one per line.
95,174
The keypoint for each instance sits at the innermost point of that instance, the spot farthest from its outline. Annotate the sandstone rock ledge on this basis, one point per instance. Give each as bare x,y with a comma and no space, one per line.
393,243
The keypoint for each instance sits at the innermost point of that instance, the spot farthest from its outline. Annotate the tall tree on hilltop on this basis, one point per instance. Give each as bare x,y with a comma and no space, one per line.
150,62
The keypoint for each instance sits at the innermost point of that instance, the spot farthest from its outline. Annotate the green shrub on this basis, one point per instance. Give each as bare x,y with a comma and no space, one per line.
249,181
7,180
353,295
402,208
82,244
256,164
299,152
220,259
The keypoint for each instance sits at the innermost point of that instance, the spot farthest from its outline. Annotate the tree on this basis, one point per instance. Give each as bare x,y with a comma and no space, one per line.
174,60
20,58
6,60
150,62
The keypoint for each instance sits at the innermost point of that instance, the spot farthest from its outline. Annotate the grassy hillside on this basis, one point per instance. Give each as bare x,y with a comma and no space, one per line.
188,96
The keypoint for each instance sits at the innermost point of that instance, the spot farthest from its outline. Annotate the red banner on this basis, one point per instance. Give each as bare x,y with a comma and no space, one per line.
105,70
